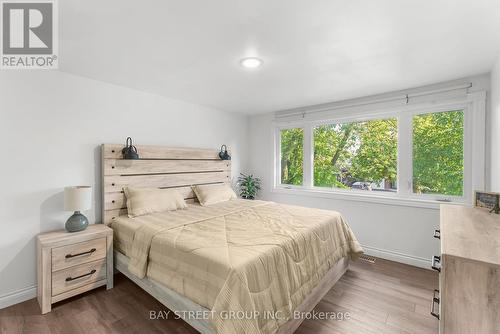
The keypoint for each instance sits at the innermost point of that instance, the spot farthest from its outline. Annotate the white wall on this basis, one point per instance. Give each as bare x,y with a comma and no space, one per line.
495,128
51,126
400,233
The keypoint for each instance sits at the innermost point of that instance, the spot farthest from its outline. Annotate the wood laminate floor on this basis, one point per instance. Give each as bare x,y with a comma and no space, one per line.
385,297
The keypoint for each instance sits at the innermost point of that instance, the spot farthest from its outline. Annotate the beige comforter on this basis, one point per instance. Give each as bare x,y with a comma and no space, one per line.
250,256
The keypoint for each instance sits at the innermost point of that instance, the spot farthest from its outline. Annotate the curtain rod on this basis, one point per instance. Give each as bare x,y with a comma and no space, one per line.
326,107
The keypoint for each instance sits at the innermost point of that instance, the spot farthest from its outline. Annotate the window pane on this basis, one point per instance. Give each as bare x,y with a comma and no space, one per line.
438,153
292,156
361,155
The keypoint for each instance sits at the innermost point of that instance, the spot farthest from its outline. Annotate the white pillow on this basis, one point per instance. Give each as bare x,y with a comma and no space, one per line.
213,193
141,201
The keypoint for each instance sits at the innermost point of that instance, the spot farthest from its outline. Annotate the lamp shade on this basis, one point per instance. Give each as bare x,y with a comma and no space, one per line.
77,198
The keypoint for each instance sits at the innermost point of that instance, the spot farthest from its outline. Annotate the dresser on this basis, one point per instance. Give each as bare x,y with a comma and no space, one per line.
468,299
71,263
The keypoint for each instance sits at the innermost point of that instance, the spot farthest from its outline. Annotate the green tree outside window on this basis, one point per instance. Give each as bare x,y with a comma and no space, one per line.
438,153
292,156
364,155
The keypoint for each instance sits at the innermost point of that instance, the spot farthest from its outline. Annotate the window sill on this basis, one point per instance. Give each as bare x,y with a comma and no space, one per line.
369,198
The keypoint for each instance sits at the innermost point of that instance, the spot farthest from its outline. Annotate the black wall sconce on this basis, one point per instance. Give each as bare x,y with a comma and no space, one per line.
223,154
130,151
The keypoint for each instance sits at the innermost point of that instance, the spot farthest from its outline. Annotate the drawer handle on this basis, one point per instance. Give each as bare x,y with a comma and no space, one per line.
437,234
69,279
435,300
69,256
436,259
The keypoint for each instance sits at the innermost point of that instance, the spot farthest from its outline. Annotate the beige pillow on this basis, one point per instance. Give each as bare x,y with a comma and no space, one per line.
141,201
213,193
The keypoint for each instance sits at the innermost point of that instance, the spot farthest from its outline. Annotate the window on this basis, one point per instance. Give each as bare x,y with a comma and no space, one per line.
357,155
410,155
438,153
292,156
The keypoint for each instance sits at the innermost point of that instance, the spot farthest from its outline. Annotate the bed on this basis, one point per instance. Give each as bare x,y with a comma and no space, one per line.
233,267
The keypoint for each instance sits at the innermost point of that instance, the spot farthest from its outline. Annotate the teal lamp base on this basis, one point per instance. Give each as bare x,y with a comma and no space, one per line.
77,222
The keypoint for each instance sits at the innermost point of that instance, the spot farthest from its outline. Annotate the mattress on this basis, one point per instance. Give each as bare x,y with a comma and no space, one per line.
260,258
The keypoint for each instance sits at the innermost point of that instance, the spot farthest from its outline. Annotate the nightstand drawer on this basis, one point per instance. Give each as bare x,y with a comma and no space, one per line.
83,252
75,277
72,263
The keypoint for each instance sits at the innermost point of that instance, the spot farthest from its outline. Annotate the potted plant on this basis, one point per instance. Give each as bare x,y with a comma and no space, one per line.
249,186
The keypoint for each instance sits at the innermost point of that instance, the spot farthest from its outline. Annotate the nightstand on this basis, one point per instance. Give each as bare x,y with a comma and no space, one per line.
72,263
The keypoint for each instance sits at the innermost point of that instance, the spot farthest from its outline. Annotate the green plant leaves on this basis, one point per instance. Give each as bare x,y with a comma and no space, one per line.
249,186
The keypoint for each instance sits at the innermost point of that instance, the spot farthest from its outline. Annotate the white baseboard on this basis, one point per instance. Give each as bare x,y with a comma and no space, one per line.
398,257
17,297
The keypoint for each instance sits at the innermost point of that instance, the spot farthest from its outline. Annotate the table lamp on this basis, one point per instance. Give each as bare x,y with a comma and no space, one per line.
78,198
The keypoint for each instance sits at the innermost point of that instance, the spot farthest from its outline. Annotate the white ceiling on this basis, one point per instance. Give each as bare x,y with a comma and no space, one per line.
314,51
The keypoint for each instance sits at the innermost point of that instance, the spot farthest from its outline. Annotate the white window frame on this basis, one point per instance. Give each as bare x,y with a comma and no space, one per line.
474,108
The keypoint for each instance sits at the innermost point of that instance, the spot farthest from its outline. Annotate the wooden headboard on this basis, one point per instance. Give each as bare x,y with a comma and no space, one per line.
159,167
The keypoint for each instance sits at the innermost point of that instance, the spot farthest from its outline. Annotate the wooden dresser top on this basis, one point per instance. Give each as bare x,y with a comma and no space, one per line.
470,233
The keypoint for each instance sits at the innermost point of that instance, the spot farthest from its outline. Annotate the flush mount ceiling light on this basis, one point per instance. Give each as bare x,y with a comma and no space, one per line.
251,62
